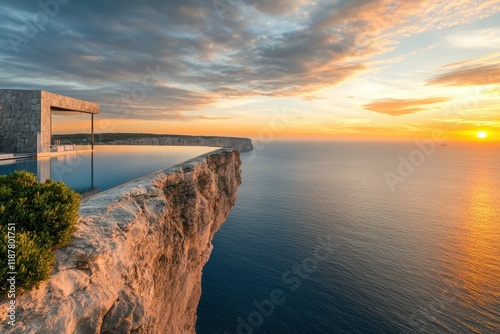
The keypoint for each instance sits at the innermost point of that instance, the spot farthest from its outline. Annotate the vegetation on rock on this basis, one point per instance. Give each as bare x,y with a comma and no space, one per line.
35,219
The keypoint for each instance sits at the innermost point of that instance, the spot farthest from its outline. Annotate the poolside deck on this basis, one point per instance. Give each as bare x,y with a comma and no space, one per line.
15,156
61,150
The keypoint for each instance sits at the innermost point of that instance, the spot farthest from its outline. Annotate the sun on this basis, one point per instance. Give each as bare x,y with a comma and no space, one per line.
482,135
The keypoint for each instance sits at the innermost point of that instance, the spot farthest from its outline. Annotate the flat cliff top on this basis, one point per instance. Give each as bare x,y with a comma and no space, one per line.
241,144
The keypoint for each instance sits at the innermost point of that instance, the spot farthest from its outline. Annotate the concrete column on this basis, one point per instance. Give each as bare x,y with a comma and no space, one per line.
92,131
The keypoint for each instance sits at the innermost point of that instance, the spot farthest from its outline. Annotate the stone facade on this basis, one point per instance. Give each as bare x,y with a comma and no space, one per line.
20,120
25,118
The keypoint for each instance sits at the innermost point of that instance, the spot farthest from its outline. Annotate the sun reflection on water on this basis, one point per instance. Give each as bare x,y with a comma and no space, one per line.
475,258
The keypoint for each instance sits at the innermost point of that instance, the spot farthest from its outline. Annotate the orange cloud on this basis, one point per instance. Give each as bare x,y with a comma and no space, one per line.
399,107
475,72
371,18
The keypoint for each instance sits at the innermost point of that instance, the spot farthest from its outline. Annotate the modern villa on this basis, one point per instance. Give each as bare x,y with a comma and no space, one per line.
26,119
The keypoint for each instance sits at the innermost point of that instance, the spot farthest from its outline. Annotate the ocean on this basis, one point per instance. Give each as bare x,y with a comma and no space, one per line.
359,237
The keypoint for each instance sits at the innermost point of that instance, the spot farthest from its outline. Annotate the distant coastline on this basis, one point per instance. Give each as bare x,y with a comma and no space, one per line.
241,144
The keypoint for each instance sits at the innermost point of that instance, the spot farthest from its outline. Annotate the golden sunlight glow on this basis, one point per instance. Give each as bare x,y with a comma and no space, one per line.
482,135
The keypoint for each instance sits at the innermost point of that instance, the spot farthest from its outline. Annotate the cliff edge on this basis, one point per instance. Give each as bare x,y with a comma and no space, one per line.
134,265
241,144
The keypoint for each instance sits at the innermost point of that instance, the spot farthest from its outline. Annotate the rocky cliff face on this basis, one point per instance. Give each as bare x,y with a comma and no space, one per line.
135,263
241,144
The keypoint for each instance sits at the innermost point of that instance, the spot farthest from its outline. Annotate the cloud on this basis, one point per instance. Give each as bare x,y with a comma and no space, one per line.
399,107
478,38
492,92
276,7
370,18
475,72
145,59
469,76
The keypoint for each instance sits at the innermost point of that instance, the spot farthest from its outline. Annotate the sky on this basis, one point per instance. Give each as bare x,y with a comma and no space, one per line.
266,69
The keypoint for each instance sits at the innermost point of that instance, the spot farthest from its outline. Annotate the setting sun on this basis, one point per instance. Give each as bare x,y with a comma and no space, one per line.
482,135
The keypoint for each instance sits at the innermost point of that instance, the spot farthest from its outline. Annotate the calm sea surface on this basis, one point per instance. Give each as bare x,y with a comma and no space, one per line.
319,243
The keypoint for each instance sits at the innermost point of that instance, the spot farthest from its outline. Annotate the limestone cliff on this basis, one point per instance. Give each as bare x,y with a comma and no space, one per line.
134,266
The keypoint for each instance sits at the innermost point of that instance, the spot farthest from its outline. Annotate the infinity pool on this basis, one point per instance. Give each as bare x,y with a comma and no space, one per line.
107,167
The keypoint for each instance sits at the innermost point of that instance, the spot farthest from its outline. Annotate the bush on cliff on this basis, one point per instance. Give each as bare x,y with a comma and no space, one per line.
33,262
39,217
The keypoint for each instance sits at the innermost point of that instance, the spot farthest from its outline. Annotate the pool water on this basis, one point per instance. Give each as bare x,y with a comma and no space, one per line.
107,166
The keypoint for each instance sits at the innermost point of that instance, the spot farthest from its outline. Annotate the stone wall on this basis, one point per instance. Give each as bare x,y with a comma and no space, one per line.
20,120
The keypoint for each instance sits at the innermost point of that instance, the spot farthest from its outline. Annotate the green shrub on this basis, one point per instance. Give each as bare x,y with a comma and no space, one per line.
49,209
33,262
44,216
